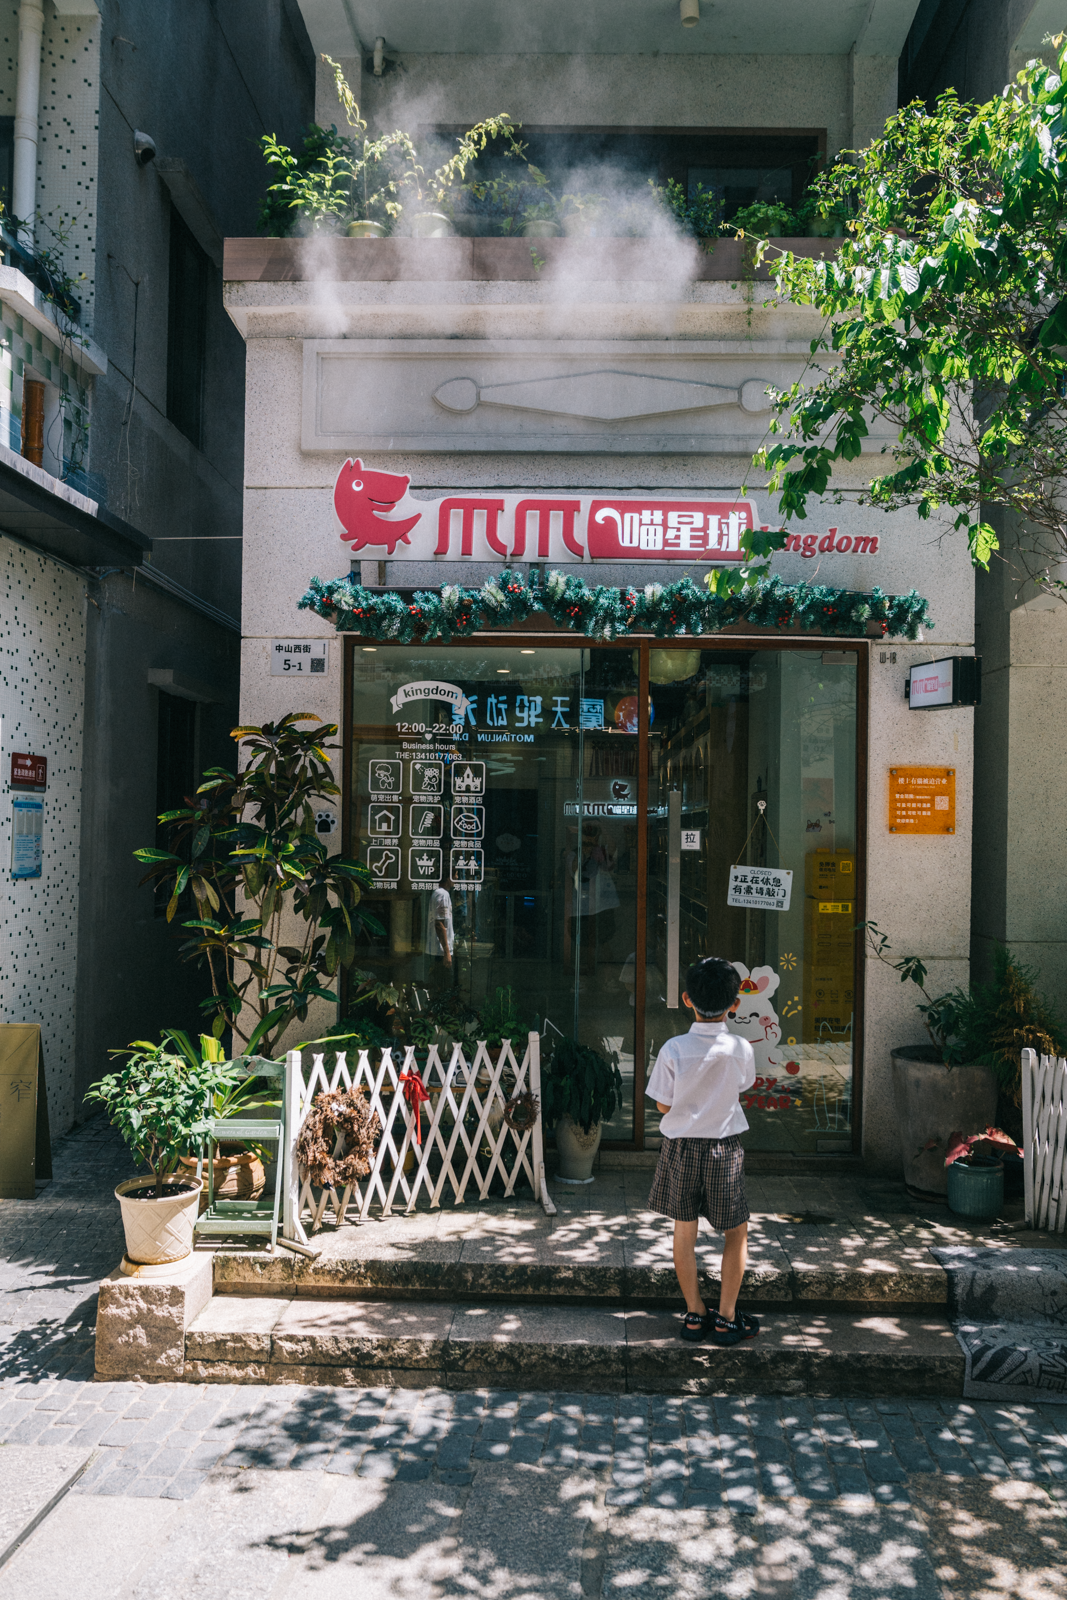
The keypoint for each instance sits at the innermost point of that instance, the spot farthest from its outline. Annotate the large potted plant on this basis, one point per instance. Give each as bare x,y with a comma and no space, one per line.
969,1075
246,851
581,1088
936,1086
157,1100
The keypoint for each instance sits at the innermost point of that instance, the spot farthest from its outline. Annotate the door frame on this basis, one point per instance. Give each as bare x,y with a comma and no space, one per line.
560,639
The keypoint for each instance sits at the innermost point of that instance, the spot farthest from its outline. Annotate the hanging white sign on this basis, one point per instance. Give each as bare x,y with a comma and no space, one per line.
760,888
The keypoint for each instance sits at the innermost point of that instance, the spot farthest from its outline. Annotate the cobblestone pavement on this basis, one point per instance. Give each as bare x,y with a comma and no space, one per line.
163,1439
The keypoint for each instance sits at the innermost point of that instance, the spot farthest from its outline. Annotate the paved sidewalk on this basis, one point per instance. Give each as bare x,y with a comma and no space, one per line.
321,1492
162,1440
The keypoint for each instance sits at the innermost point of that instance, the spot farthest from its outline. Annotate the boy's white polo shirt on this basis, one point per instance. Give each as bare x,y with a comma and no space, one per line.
700,1075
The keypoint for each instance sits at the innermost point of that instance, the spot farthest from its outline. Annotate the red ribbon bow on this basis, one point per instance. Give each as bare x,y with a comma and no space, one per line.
415,1092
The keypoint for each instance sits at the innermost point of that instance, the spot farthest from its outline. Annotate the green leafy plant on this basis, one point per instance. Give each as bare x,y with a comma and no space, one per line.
337,177
582,1083
157,1098
246,848
987,1023
946,310
763,218
699,215
501,1022
239,1096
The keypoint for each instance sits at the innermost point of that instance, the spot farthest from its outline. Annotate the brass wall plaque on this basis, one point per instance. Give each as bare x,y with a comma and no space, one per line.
922,799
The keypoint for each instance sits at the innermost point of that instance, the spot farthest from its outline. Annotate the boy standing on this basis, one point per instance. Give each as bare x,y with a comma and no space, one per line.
696,1083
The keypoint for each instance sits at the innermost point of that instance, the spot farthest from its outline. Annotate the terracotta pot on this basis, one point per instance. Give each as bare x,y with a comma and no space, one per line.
576,1149
238,1177
365,229
157,1230
932,1101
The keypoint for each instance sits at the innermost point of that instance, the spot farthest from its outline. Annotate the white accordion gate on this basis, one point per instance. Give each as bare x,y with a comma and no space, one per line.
1045,1140
465,1139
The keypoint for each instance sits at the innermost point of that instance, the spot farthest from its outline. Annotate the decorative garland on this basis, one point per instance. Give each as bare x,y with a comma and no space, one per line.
346,1112
666,610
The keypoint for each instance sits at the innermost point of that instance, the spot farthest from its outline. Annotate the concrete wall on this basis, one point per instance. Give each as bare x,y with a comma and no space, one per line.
42,689
637,91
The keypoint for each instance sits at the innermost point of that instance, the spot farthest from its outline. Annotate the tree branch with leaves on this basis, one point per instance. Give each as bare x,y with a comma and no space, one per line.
946,312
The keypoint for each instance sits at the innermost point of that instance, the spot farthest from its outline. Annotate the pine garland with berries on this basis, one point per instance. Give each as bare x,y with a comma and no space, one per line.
667,611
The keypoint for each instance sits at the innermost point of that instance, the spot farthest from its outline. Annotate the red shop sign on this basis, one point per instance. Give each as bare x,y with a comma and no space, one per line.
29,772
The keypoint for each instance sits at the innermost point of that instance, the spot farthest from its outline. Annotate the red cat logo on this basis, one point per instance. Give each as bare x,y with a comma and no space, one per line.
362,499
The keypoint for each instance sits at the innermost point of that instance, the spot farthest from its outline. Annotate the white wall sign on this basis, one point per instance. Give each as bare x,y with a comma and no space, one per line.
378,515
299,657
930,684
27,830
760,888
690,838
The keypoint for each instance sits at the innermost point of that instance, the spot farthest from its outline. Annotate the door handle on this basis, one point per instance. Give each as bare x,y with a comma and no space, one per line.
674,885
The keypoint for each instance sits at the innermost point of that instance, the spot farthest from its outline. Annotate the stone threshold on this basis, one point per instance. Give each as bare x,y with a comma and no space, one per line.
619,1350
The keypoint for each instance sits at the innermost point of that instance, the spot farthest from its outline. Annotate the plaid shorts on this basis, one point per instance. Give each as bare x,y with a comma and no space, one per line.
701,1178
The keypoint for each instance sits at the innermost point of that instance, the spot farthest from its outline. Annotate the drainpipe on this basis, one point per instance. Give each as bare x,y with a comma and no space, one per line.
27,108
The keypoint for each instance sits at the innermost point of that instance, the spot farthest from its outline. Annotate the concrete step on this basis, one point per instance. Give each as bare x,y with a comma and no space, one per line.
463,1345
823,1278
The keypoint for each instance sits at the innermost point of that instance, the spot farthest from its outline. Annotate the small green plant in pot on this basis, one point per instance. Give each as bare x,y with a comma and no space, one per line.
157,1100
581,1089
765,220
239,1171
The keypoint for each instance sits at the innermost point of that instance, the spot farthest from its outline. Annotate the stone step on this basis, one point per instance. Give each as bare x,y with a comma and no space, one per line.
870,1280
464,1345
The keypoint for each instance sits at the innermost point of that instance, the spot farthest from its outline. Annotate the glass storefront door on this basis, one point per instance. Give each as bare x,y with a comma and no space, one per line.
572,850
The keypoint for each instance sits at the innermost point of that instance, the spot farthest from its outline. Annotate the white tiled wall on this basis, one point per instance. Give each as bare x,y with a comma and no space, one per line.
42,691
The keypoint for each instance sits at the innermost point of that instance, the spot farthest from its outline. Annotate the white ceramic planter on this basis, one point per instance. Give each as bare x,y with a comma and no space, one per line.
431,225
157,1230
576,1150
365,229
540,230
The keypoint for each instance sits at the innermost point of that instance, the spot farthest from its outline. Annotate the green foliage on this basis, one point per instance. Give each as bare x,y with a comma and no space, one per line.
946,312
764,218
701,216
157,1098
501,1021
582,1083
239,1096
245,846
988,1023
665,610
336,178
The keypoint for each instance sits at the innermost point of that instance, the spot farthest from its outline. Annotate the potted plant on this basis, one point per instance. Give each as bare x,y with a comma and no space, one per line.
937,1085
969,1073
338,181
582,216
500,1023
766,219
238,1170
699,215
581,1089
157,1101
246,849
975,1168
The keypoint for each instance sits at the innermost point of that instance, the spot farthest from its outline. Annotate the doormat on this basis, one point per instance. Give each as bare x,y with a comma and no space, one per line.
1009,1311
1014,1361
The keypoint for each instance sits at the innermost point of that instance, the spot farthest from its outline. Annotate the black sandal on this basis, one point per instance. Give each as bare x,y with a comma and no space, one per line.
695,1327
736,1332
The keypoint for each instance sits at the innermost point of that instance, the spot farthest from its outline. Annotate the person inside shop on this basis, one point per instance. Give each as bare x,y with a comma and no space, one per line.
696,1083
440,937
593,899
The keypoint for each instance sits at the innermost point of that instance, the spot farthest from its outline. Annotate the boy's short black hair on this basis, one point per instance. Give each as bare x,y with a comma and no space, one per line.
713,985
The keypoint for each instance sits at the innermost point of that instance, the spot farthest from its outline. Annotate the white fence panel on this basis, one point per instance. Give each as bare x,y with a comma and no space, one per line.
1045,1140
456,1090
